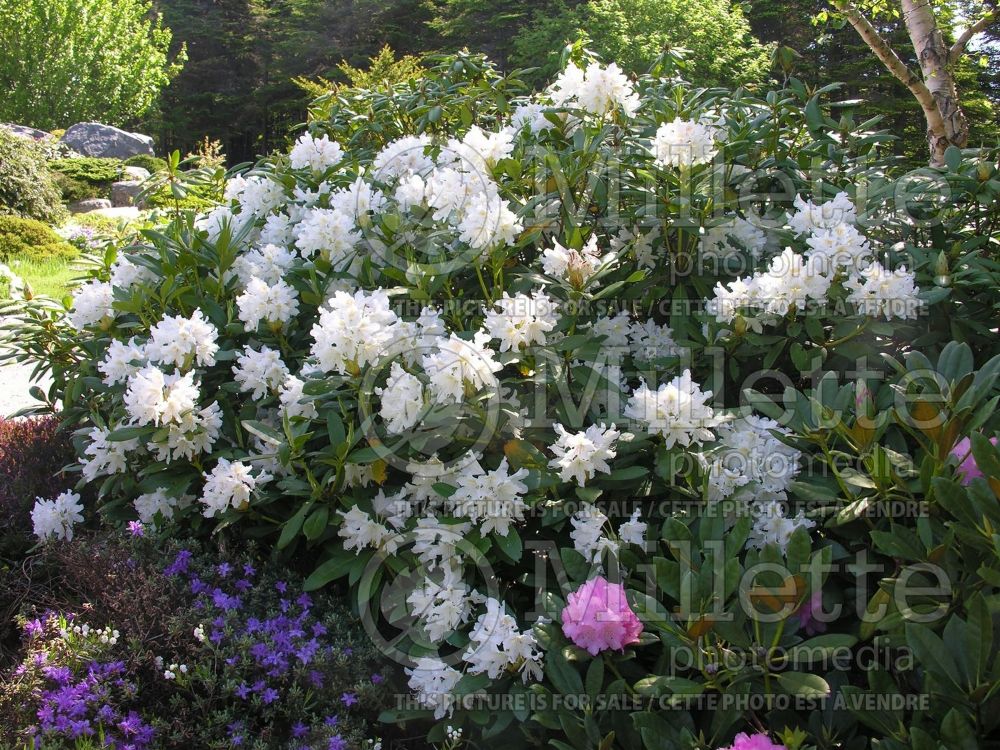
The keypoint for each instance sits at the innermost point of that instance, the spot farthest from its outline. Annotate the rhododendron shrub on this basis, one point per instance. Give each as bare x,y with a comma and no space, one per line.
616,348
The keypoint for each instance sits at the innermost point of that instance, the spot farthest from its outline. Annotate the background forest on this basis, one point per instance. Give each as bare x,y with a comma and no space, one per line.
242,55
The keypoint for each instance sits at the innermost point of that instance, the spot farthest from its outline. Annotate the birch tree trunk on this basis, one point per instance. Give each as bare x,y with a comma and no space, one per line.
949,128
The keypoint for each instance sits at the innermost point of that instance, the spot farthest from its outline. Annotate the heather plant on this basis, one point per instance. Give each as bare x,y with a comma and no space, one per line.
629,414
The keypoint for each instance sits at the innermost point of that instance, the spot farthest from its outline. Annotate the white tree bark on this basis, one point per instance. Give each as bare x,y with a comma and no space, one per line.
934,89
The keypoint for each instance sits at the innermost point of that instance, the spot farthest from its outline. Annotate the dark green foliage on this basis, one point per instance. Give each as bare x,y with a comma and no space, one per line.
151,164
27,238
27,187
85,177
88,169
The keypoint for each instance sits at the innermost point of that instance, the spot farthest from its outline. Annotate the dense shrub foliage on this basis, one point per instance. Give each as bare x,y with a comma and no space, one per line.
632,415
27,188
27,238
151,164
83,177
168,647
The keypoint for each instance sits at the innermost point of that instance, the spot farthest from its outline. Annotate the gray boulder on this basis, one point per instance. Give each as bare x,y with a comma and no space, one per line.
91,204
95,139
125,192
25,132
135,174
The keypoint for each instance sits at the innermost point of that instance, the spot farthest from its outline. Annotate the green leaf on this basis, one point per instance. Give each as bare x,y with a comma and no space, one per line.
806,685
330,570
953,158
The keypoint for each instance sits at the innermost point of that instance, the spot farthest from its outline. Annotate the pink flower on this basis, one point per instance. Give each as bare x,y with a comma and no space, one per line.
597,617
967,470
807,614
744,741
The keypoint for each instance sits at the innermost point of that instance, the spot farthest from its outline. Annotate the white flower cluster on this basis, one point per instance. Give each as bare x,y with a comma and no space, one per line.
316,154
433,681
749,451
597,90
677,411
685,143
575,266
106,636
796,282
580,455
497,646
230,484
55,519
521,321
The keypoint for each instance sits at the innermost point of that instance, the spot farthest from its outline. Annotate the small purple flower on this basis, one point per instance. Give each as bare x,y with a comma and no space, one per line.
224,569
337,743
136,529
249,570
377,679
180,563
331,721
33,628
299,730
348,699
281,586
269,696
242,691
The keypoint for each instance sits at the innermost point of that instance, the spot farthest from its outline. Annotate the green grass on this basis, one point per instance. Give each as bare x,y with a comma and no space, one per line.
50,277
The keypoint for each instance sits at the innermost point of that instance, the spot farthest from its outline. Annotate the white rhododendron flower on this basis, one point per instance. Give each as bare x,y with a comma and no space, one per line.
354,331
260,372
597,90
492,499
772,525
677,411
291,398
268,263
153,397
183,342
521,320
496,646
842,246
879,292
329,232
650,341
91,304
580,455
461,365
122,361
276,303
403,156
684,143
588,534
810,217
256,195
158,502
55,519
229,485
125,273
633,531
443,602
402,400
317,154
105,457
432,681
749,451
575,266
360,530
733,235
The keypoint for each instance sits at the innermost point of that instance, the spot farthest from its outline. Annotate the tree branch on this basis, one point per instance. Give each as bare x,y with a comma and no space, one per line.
892,62
958,48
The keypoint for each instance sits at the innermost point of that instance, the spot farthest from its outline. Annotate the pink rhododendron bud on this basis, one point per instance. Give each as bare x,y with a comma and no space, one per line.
744,741
967,470
808,621
597,617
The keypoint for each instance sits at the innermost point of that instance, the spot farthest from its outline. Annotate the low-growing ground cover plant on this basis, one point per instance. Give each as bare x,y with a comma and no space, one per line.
158,646
630,415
